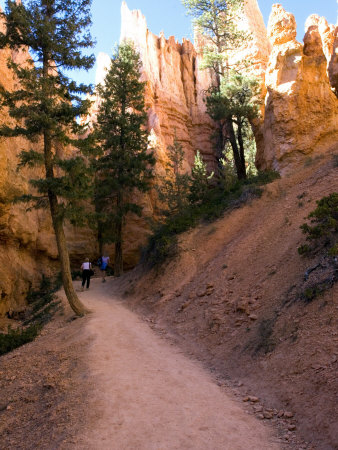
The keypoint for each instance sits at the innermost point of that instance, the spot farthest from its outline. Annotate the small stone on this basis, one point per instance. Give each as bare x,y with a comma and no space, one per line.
253,399
253,317
292,427
280,414
260,416
9,408
267,415
201,294
258,408
288,414
246,399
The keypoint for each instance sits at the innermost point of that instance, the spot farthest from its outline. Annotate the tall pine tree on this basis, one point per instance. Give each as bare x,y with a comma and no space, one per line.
46,105
217,21
125,164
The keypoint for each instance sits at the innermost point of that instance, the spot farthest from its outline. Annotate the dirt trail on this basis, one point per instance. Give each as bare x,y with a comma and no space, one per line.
148,395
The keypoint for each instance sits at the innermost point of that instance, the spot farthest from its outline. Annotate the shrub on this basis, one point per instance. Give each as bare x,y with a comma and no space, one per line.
163,242
323,230
15,338
43,305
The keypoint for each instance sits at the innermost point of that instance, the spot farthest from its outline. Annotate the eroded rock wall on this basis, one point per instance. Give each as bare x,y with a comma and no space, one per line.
174,93
301,110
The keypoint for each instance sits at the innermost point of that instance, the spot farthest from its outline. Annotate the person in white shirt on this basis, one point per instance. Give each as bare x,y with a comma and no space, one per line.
86,273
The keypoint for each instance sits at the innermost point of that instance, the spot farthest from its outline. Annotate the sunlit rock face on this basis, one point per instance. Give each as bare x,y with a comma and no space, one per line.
301,115
174,92
328,35
257,50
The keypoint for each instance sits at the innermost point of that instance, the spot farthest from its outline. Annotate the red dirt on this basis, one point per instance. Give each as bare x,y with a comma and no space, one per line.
232,299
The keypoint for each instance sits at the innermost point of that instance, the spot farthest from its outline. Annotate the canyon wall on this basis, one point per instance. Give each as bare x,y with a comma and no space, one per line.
174,90
301,109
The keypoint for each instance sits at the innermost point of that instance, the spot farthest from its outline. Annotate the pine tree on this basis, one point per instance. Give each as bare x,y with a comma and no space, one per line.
46,105
173,188
236,103
199,180
217,21
125,164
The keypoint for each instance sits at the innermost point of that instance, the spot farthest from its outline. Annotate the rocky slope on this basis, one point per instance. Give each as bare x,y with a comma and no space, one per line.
233,298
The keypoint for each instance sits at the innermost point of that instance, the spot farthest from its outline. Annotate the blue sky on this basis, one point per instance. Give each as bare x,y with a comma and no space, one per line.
170,16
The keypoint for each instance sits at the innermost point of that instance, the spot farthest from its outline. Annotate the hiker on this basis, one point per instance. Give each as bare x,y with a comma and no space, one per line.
103,264
87,272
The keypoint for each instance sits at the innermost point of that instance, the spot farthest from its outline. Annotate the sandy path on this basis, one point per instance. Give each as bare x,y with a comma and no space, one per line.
147,395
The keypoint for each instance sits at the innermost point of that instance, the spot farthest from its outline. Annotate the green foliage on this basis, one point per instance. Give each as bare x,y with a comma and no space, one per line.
43,304
238,98
323,229
163,242
199,180
124,165
48,102
16,338
315,291
216,20
173,188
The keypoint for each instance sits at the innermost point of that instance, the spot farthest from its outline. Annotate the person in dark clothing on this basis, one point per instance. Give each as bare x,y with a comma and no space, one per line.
86,273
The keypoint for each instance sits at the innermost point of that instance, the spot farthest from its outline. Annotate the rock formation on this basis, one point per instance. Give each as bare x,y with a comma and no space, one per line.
301,114
174,93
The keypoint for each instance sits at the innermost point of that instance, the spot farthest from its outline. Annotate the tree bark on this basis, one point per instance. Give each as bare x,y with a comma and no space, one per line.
74,302
232,138
73,299
118,262
241,148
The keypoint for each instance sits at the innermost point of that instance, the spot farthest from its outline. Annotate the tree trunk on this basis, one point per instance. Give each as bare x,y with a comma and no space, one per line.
73,299
118,262
100,238
241,148
71,295
232,138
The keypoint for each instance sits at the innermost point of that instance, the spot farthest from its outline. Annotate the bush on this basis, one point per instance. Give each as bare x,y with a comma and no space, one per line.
15,338
323,230
43,305
163,242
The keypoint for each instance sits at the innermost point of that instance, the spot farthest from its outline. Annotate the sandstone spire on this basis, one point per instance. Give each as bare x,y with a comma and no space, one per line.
175,85
301,116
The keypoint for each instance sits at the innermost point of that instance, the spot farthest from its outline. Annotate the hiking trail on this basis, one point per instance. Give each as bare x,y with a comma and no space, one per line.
146,395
